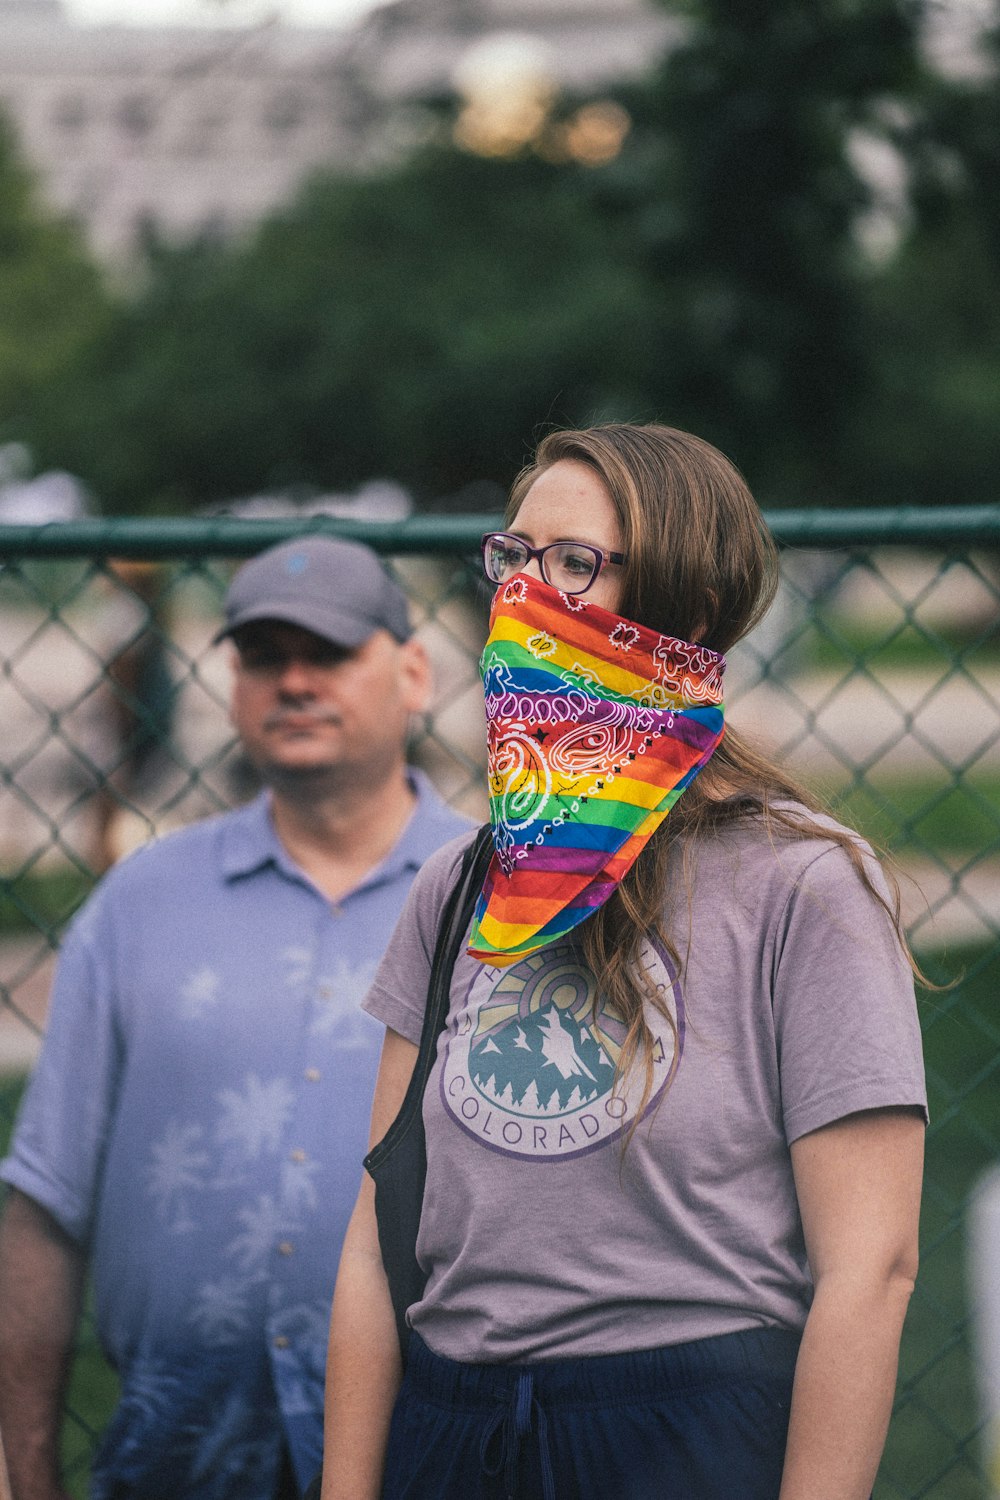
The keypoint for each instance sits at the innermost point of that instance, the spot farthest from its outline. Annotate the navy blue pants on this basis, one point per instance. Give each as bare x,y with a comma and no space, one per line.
698,1421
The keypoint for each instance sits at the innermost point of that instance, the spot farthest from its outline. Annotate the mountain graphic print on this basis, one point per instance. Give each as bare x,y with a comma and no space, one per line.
529,1068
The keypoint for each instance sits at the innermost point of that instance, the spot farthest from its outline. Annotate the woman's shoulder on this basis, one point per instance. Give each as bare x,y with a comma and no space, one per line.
790,843
439,872
780,820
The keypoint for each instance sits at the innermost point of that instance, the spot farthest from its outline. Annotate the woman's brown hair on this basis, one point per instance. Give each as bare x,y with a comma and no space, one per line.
701,566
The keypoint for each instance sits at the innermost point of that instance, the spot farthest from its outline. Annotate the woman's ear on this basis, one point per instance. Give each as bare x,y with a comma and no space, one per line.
706,626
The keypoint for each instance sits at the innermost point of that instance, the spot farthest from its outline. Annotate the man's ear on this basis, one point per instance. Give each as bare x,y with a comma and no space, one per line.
416,676
232,662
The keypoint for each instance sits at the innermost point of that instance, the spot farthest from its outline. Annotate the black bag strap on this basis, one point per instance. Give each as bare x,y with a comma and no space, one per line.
455,917
399,1184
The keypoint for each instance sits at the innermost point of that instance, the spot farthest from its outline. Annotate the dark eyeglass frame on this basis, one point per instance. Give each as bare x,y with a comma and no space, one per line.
601,558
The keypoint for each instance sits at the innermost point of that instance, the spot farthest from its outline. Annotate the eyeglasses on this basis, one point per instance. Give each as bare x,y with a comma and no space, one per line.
570,567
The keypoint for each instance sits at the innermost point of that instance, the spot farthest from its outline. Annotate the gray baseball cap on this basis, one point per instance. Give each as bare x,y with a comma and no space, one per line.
338,590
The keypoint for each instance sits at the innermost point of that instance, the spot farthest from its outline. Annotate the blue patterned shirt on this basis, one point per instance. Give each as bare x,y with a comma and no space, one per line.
197,1122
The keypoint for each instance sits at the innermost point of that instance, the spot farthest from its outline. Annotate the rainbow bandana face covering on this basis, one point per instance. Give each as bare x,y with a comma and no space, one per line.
595,726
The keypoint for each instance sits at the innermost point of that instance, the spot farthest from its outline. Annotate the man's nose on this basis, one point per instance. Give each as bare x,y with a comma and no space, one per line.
295,677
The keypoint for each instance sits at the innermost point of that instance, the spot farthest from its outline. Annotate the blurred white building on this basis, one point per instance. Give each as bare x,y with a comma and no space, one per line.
206,129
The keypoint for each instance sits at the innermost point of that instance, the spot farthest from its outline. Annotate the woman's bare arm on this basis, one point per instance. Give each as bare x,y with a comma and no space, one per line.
363,1366
858,1183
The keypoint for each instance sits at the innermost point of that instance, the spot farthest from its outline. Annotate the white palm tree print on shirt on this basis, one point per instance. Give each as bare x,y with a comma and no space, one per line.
253,1118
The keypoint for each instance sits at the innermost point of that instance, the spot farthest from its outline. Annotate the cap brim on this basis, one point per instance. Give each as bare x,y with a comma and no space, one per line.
350,630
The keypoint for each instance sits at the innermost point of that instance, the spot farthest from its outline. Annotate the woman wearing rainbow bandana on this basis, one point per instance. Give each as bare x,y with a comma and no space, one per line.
675,1123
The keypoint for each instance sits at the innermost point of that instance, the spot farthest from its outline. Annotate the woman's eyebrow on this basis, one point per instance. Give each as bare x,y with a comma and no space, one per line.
526,536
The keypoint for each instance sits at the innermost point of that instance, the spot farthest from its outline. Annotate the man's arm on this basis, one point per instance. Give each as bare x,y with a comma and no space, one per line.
41,1288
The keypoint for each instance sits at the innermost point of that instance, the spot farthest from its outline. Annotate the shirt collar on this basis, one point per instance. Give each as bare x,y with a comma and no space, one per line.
249,841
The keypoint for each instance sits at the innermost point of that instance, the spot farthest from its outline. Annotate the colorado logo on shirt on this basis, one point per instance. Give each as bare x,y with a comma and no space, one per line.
530,1069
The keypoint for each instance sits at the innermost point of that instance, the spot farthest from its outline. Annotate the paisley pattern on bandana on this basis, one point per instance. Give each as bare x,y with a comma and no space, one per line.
595,726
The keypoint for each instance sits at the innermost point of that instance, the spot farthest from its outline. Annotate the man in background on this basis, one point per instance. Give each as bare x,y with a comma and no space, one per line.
195,1126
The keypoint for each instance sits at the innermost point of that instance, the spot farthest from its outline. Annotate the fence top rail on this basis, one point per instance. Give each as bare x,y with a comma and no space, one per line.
230,536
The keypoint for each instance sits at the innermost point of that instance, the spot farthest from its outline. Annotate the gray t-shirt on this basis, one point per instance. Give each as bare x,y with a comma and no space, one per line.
543,1240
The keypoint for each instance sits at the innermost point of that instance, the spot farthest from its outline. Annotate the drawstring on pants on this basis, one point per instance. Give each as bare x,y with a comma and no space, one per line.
513,1421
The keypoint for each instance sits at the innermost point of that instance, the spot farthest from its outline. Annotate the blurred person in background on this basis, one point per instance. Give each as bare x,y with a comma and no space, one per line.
133,707
675,1119
194,1130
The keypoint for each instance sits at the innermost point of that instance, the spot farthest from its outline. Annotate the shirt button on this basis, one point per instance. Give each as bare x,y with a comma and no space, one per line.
281,1342
286,1247
297,1154
312,1075
326,992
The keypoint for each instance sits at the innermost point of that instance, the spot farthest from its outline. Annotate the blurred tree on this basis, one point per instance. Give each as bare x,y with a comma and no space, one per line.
929,436
424,322
51,298
419,323
968,125
746,197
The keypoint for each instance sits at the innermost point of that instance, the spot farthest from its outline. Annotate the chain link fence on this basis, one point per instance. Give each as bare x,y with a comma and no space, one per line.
876,678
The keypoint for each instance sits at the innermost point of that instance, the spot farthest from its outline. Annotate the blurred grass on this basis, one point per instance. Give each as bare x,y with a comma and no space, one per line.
34,903
932,1450
841,644
908,813
93,1393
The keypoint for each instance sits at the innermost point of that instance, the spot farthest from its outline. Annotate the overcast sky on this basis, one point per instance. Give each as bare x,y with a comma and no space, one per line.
186,12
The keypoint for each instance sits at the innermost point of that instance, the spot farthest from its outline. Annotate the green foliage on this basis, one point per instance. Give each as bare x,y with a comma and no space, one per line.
425,322
418,323
51,298
747,203
929,436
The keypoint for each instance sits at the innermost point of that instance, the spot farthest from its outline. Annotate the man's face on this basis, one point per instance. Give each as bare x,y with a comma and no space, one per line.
310,712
